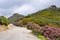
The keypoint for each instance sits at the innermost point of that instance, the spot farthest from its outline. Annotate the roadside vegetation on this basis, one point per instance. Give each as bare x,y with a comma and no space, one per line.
4,21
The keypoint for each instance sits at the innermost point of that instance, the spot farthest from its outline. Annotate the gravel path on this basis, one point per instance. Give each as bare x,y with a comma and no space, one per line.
17,33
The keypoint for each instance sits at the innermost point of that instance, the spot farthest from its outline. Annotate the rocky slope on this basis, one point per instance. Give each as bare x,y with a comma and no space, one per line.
15,17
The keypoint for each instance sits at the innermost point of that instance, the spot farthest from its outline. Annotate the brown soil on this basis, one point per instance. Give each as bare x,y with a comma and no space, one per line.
3,28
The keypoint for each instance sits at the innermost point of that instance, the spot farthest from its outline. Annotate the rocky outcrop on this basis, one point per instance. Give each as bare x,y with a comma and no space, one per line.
15,17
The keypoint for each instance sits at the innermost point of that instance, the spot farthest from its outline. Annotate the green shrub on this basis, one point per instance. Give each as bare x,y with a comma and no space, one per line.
34,31
42,37
30,27
4,21
42,24
25,20
39,22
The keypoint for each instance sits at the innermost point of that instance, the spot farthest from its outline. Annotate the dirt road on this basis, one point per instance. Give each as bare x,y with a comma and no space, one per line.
17,33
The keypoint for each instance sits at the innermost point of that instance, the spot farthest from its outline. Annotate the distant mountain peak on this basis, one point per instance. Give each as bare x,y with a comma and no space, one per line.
15,17
17,14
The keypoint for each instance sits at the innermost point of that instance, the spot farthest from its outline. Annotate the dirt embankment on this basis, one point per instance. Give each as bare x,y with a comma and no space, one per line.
3,27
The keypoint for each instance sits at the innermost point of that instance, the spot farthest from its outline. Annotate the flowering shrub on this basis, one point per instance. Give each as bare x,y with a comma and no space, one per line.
16,24
32,25
50,32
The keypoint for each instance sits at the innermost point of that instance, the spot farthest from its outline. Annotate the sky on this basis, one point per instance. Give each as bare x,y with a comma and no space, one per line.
24,7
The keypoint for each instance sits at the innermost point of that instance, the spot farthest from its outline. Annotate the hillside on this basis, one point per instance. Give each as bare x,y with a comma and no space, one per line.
45,24
50,16
15,17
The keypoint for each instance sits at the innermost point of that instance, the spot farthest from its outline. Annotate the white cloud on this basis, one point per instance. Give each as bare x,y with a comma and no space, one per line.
1,11
24,9
40,4
30,7
4,12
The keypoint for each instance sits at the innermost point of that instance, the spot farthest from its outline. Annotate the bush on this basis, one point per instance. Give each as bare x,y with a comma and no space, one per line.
42,37
51,32
4,21
25,20
30,27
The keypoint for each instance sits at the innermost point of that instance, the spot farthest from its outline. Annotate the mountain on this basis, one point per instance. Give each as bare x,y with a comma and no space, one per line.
15,17
50,16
